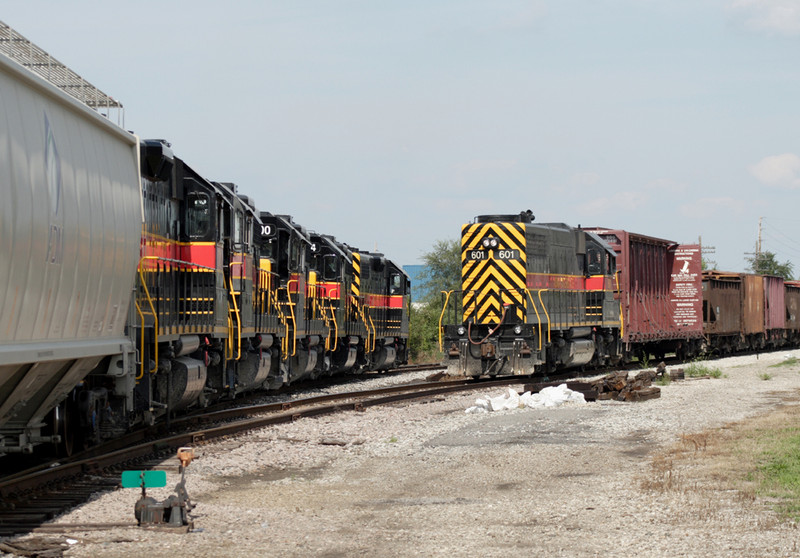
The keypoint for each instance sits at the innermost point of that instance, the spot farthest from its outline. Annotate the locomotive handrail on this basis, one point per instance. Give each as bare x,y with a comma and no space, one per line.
335,325
294,319
318,309
236,312
546,313
538,318
155,316
140,270
141,354
269,298
374,329
441,317
369,325
284,321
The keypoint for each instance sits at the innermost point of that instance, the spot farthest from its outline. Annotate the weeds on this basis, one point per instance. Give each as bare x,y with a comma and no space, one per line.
759,459
698,369
664,380
765,376
791,361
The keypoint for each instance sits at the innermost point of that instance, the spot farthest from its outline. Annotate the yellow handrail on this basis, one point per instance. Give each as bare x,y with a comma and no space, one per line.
441,317
374,329
538,318
621,318
141,356
291,313
236,311
546,313
332,319
155,316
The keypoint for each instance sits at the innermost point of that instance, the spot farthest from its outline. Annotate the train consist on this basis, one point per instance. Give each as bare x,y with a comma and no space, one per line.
131,287
536,298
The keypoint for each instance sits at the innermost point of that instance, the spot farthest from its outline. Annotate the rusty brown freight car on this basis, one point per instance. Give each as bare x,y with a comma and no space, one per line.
722,311
774,311
742,311
660,293
753,310
792,302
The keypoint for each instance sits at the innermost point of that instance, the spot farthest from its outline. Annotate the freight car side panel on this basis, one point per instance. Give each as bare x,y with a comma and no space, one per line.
686,297
660,287
774,303
722,306
752,304
792,302
71,218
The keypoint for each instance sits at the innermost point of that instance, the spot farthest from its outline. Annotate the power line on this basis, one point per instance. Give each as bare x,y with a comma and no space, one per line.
790,239
787,247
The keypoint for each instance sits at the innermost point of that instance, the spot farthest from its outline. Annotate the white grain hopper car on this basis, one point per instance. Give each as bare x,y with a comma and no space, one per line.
70,233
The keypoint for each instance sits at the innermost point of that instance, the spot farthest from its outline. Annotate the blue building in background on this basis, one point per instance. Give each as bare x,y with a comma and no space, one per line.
413,273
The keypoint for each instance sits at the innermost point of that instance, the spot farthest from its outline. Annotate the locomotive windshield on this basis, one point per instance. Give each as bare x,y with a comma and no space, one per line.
198,214
396,284
330,267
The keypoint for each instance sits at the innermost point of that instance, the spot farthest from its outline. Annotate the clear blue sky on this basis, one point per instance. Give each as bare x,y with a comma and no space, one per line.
390,124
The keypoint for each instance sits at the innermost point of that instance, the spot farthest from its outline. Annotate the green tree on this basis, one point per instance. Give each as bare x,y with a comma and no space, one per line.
705,265
766,263
442,272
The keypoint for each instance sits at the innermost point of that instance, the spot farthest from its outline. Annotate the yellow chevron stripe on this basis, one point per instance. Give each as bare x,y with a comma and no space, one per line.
491,283
355,287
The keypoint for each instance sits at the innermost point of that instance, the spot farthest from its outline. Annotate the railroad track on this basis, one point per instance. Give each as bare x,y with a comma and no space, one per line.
31,498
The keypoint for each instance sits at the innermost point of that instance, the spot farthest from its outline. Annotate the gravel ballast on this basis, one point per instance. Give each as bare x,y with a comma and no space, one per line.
427,479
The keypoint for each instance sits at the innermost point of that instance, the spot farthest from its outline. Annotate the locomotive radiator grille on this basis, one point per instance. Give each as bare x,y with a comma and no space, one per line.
493,271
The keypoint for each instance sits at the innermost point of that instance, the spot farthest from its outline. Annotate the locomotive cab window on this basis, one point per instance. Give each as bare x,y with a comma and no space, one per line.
396,284
198,215
296,255
330,267
594,260
238,228
265,248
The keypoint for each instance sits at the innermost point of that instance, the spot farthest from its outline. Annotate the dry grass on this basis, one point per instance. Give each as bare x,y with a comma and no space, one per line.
729,461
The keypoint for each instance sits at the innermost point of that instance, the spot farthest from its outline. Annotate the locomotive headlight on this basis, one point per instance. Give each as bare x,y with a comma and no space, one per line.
485,242
462,330
493,242
517,329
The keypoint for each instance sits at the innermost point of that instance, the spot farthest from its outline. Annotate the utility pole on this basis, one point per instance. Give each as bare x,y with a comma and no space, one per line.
758,244
757,256
710,264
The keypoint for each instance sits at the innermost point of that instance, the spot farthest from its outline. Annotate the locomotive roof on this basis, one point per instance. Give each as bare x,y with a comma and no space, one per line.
338,247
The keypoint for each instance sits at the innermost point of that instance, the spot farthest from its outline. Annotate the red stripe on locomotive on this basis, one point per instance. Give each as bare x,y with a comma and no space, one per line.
538,281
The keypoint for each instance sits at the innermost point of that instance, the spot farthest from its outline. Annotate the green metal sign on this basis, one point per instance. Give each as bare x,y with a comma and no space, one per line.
151,479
